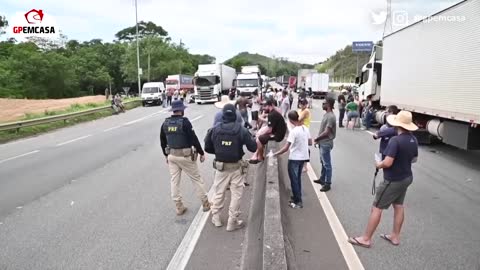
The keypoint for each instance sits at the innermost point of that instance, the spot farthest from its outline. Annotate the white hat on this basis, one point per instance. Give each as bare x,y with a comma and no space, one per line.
402,119
224,101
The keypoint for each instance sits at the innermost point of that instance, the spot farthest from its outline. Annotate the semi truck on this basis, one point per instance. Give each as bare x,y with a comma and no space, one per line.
249,81
283,80
211,81
302,77
319,84
431,68
178,82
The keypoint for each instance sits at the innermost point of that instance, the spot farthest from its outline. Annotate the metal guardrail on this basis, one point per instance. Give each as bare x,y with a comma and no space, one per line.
50,119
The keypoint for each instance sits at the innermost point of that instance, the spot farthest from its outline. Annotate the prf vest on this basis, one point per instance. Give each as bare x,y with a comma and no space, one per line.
176,137
228,142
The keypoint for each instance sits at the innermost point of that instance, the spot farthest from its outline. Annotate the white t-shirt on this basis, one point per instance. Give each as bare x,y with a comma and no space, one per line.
298,139
279,96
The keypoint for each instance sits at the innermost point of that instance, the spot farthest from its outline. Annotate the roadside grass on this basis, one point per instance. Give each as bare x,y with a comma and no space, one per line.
10,135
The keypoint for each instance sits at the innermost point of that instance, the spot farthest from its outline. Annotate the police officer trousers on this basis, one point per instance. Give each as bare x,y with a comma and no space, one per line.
179,164
231,175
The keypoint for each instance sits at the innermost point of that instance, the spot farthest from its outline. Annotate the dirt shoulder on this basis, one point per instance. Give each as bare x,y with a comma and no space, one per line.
15,109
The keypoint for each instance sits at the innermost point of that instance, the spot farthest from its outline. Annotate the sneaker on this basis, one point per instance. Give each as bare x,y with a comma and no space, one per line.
234,225
319,181
180,208
216,220
296,205
325,188
206,205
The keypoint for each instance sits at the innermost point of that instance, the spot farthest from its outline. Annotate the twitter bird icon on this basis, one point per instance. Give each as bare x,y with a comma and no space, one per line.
378,17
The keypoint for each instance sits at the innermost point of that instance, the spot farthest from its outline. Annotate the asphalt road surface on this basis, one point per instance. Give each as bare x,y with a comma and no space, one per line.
97,196
94,196
442,216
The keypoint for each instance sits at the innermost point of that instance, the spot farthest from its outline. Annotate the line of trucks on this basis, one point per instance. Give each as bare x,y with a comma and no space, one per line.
211,81
432,69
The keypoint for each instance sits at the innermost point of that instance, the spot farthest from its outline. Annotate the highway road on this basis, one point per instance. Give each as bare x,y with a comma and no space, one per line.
442,205
97,196
94,196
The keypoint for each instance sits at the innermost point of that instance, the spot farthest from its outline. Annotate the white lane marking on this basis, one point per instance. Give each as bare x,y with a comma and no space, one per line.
19,156
74,140
349,253
196,118
143,118
16,142
189,241
315,121
112,128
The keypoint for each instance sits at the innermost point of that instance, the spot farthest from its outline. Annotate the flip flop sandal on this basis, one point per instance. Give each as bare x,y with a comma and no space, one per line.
355,242
386,238
254,161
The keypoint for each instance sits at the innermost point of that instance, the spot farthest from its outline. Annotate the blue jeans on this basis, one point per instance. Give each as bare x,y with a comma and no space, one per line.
295,168
368,119
326,161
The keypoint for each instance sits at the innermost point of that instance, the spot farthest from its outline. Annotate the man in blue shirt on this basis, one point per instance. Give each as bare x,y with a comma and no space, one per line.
386,132
401,152
218,116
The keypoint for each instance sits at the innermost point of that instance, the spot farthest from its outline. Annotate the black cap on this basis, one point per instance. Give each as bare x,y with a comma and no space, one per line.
269,102
229,113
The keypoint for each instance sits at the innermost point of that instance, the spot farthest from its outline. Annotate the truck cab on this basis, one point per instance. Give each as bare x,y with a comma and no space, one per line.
207,87
248,84
249,81
370,80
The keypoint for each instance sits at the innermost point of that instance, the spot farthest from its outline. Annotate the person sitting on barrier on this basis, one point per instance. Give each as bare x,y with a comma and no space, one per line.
116,109
275,130
298,141
226,142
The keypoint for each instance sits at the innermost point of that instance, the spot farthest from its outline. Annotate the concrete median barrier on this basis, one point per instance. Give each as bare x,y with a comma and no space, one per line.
264,246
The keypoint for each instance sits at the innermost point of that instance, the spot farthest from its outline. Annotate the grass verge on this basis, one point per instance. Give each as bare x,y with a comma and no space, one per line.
10,135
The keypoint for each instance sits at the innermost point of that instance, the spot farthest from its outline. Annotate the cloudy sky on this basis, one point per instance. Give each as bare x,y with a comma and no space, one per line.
307,31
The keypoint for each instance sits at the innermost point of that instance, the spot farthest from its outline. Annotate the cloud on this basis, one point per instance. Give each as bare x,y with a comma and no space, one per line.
305,30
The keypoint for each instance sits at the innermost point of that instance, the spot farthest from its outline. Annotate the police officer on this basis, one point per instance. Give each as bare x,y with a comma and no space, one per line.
180,146
226,141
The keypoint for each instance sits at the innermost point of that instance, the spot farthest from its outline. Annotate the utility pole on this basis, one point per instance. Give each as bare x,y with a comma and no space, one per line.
138,51
148,72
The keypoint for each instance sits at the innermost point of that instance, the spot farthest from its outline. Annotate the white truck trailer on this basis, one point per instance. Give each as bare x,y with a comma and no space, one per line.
431,68
211,81
249,81
319,84
302,77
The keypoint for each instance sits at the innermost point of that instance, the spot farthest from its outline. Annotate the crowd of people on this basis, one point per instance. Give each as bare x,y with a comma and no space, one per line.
270,117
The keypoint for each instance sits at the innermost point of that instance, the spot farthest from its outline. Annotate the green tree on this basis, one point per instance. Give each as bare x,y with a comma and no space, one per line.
144,29
3,24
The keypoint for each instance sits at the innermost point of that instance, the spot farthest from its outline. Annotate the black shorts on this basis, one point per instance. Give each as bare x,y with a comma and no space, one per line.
255,116
267,137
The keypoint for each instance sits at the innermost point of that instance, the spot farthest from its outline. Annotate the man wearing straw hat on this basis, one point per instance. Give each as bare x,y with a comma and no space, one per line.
220,104
401,152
